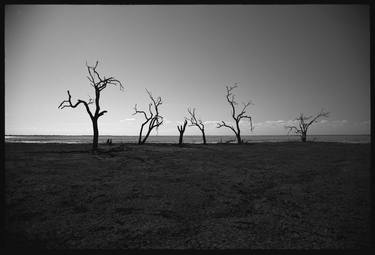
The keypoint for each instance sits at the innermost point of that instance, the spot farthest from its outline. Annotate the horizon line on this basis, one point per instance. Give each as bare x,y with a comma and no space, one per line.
190,135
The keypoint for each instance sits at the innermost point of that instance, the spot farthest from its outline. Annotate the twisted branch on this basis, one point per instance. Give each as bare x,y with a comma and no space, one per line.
68,103
194,121
99,82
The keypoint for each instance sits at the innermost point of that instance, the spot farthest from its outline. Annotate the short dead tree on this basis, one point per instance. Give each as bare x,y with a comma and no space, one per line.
154,119
194,121
181,128
236,116
304,122
98,83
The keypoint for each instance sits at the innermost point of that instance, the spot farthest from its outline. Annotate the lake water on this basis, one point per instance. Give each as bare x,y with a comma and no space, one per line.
187,139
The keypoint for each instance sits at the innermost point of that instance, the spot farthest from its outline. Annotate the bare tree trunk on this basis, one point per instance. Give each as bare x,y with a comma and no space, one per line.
140,135
181,129
181,136
239,140
204,136
96,134
238,133
303,137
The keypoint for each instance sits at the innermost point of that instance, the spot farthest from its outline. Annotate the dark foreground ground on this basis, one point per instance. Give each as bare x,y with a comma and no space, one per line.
265,195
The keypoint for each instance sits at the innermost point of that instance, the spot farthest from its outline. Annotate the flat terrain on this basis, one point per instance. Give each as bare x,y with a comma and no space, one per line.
264,195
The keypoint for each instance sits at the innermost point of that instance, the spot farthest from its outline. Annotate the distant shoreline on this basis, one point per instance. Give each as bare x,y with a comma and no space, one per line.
87,139
197,135
176,143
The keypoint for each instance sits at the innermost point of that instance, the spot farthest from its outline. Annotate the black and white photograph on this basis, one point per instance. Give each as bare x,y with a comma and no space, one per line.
187,126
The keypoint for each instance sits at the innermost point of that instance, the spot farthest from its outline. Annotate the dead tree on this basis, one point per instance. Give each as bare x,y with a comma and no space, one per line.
194,121
98,83
236,116
154,119
181,129
303,124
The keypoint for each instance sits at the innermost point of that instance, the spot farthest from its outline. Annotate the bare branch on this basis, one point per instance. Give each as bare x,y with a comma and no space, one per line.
322,113
291,128
101,113
98,82
156,102
138,111
250,120
223,124
230,99
68,103
243,111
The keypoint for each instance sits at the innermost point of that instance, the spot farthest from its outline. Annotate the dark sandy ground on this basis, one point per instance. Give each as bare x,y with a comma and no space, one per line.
265,195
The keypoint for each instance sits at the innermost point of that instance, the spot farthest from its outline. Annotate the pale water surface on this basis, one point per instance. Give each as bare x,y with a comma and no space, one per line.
187,139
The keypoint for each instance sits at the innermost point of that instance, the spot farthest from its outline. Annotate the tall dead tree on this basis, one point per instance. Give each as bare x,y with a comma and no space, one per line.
304,122
98,83
194,121
181,128
154,119
236,116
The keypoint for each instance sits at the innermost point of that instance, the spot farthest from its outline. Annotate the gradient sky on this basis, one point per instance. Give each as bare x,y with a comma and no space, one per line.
287,59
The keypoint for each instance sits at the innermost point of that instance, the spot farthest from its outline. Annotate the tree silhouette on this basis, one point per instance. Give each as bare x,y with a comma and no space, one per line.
237,117
154,120
303,124
98,83
197,122
181,129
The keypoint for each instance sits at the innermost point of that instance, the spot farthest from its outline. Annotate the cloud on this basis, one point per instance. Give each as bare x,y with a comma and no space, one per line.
336,122
274,123
365,123
207,123
281,123
211,123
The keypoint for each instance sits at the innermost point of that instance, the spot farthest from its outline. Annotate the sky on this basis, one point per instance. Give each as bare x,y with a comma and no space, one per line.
286,59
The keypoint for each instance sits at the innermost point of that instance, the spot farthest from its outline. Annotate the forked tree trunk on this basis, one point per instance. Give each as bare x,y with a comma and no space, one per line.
146,136
181,129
